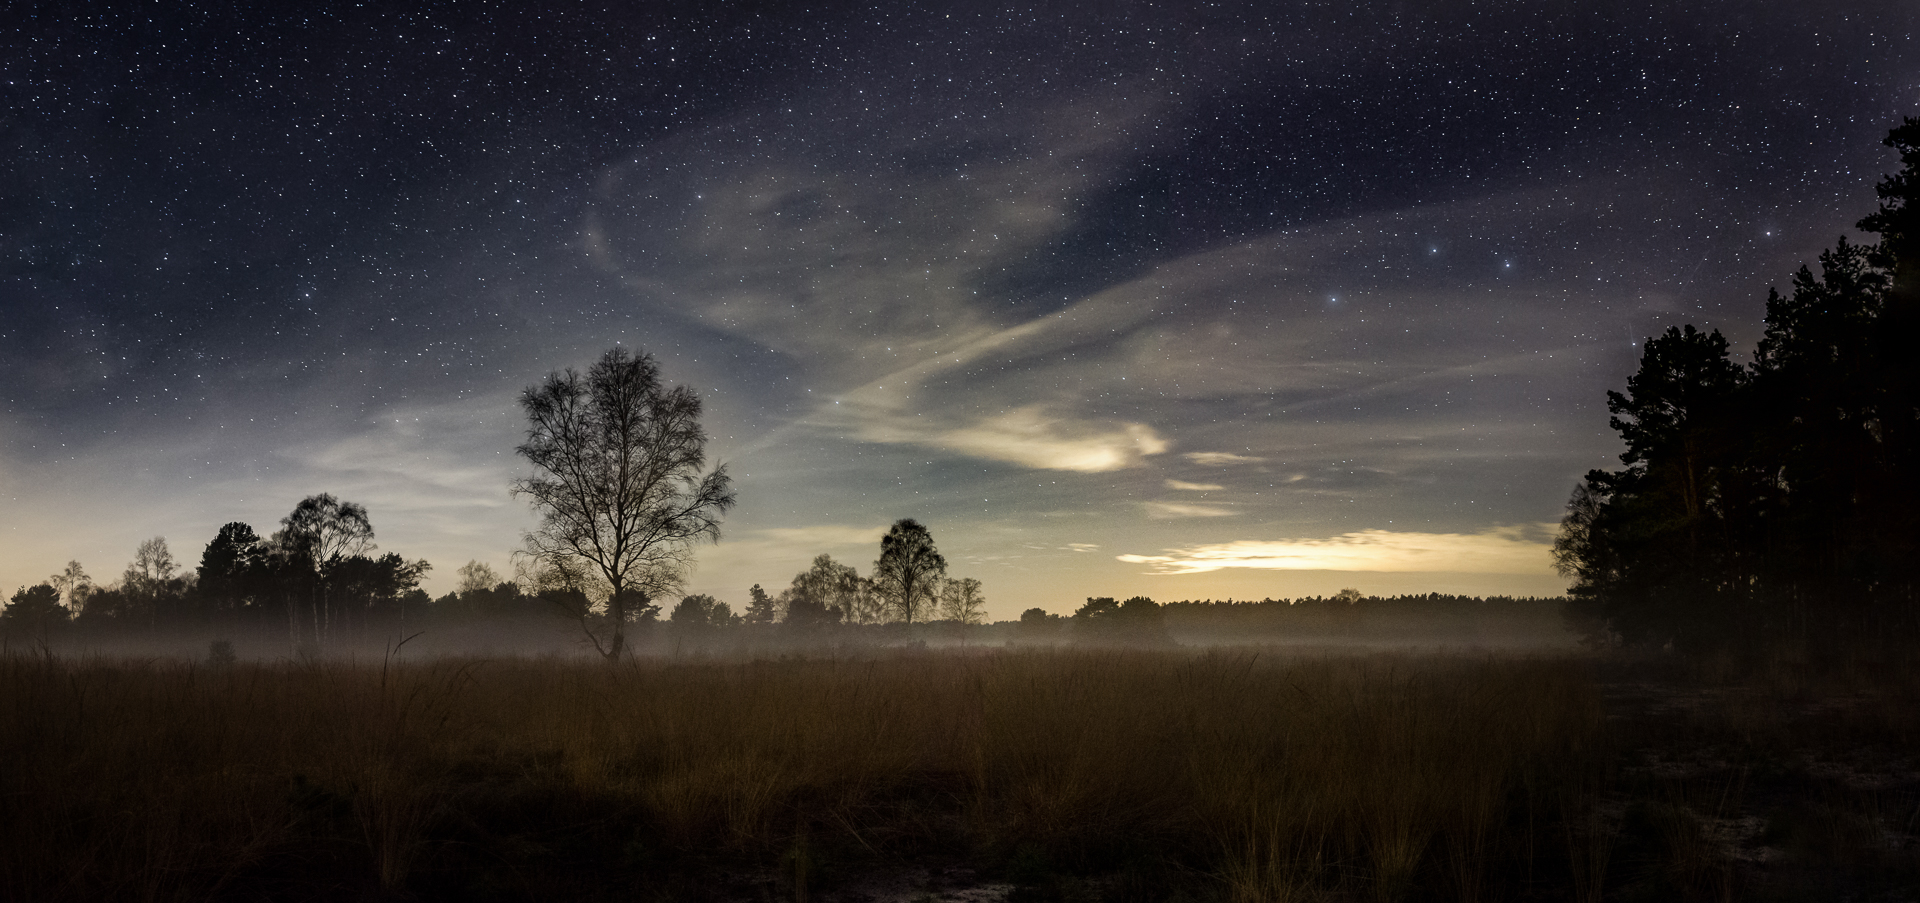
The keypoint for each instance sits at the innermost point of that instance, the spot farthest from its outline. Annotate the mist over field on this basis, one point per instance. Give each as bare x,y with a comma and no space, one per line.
1447,624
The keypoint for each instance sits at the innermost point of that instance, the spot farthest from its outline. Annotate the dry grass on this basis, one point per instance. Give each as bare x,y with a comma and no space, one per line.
1231,775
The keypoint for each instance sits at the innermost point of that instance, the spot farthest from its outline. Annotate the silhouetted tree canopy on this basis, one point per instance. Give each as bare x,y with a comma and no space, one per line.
1104,618
701,612
908,574
319,568
1776,500
231,567
313,579
828,592
478,598
33,610
761,608
1039,621
322,527
364,586
1097,610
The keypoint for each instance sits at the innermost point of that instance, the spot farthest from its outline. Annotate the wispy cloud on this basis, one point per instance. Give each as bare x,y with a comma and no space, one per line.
1220,459
810,540
1193,487
424,455
1506,550
1165,510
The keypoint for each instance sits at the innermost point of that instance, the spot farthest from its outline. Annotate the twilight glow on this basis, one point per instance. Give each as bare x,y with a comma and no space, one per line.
1239,301
1500,551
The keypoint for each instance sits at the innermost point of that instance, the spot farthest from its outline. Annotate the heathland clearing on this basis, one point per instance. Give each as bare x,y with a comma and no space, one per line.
1238,774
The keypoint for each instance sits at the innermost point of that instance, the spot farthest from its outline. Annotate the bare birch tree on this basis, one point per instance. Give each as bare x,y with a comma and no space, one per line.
961,601
618,485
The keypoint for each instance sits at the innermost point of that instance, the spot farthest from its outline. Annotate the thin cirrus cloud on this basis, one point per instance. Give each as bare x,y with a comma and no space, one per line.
809,540
1166,510
1220,459
1185,486
1505,550
890,322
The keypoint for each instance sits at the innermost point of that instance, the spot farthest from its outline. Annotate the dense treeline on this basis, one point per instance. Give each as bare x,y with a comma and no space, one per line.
1776,502
315,583
1345,616
314,579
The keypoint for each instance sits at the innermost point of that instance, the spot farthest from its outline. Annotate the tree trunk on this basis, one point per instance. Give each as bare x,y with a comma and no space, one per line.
617,613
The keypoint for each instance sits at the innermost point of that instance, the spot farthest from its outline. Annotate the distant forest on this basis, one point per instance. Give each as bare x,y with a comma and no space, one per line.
315,583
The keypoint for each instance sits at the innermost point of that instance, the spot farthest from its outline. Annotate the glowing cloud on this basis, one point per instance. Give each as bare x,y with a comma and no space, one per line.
1506,550
1029,437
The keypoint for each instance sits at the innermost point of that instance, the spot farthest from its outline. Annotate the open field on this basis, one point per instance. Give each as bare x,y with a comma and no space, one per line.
984,774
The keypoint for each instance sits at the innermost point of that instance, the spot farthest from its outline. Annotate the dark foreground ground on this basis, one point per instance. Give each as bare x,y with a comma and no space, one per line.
980,773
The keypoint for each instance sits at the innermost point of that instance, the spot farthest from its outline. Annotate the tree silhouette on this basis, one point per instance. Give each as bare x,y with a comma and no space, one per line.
1819,411
73,584
1897,334
148,586
476,576
761,608
1897,222
1140,611
153,565
1104,618
369,588
962,602
618,486
806,614
319,531
1661,522
1099,616
322,527
1039,621
908,573
829,591
34,610
702,611
232,567
1780,501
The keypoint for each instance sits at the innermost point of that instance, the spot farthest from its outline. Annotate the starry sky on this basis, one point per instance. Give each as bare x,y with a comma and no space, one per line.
1196,300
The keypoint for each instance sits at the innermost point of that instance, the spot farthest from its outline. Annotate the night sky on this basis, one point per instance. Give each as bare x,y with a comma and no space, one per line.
1183,300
